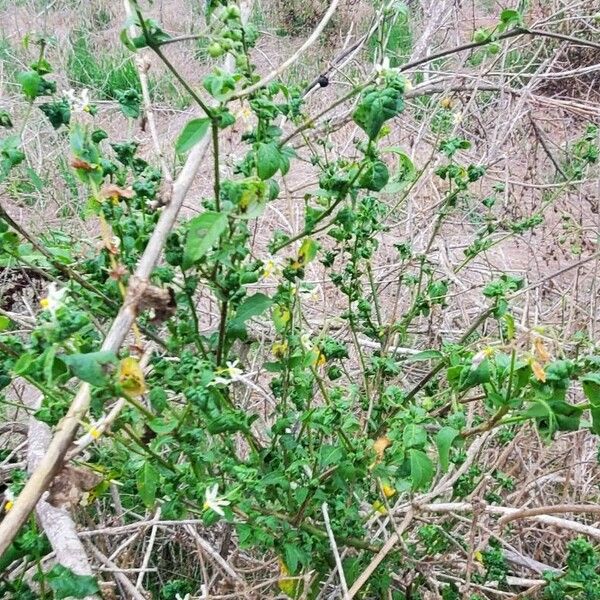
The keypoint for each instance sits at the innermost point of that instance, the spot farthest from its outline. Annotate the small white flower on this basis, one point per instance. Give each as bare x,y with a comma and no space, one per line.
228,374
54,300
383,70
9,498
78,103
457,118
186,597
212,500
313,295
306,341
272,269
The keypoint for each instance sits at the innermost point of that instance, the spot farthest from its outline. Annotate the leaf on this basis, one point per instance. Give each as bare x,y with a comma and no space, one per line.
591,389
31,83
294,556
471,377
58,112
414,435
161,426
375,108
425,355
129,101
267,160
510,16
191,134
91,367
252,306
308,251
147,483
67,584
375,177
203,233
444,440
421,469
4,322
131,376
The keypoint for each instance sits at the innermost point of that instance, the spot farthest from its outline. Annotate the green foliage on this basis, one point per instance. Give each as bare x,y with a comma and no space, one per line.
66,584
342,424
581,580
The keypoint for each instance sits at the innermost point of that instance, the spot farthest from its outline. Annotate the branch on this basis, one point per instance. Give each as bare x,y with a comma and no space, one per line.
55,522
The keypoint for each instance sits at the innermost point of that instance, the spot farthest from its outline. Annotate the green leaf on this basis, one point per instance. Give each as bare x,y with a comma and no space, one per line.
591,389
31,83
267,160
129,102
92,367
67,584
510,16
191,134
161,426
421,469
23,363
294,556
147,483
308,251
5,120
252,306
376,107
58,112
203,233
375,176
4,323
444,439
414,435
425,355
471,377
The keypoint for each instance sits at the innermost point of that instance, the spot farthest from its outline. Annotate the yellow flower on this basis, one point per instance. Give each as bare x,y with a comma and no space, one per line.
9,505
279,349
387,490
446,102
380,507
95,433
131,376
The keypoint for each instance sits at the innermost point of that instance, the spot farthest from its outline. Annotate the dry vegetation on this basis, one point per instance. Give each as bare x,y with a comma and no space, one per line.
523,108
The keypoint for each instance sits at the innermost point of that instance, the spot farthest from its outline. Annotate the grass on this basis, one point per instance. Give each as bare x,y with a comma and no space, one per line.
105,73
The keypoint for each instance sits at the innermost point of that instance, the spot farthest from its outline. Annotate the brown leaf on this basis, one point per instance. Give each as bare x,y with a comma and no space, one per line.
78,163
538,371
541,351
145,296
70,484
115,192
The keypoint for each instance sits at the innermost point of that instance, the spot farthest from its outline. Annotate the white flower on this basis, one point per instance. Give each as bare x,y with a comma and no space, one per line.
457,118
78,104
314,294
213,502
228,374
54,300
383,70
10,500
306,342
272,269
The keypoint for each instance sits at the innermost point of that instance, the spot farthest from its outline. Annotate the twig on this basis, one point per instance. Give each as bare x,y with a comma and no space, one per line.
380,556
336,554
292,59
140,579
214,555
118,574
